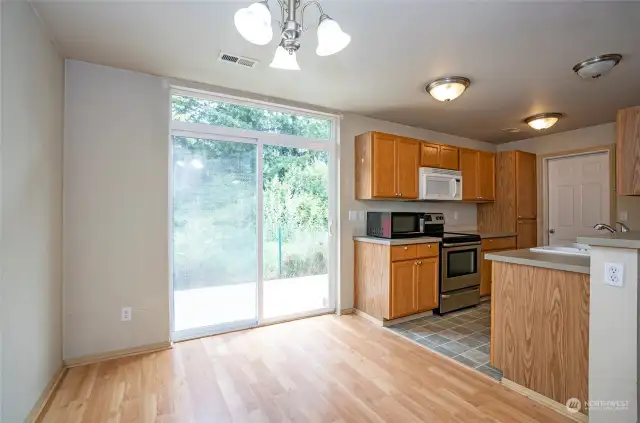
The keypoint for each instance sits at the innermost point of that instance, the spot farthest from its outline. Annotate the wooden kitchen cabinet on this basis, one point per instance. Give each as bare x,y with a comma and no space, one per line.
439,156
628,151
427,284
403,288
492,245
386,166
478,175
527,233
515,205
407,165
526,197
396,281
429,155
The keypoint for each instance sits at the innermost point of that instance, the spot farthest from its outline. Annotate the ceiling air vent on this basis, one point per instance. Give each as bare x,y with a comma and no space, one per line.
237,60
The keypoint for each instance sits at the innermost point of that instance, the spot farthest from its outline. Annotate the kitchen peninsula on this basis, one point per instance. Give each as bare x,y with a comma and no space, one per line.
540,323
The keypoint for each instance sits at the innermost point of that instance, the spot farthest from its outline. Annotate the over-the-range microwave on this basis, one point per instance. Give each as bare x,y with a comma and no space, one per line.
440,184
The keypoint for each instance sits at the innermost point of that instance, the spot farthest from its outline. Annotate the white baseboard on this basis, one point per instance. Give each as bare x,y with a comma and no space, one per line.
96,358
46,396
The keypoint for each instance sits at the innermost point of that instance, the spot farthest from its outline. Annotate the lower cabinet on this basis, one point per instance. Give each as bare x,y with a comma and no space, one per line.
414,286
492,245
396,281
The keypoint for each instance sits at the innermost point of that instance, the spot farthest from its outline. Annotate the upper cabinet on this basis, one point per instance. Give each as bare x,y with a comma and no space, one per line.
386,166
478,175
628,151
438,155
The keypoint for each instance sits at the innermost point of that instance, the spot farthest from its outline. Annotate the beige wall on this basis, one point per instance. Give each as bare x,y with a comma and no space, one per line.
116,209
352,125
117,198
592,136
31,168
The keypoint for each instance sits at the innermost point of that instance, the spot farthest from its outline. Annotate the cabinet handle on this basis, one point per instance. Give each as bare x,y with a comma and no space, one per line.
406,248
420,262
400,194
416,263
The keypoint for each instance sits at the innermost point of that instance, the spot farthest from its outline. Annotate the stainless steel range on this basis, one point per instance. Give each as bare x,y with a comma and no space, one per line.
459,285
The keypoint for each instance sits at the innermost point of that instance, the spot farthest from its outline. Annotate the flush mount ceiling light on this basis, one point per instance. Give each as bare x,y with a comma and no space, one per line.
448,88
543,120
254,24
595,67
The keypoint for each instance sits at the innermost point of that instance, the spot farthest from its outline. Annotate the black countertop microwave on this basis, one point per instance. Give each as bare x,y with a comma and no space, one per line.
395,224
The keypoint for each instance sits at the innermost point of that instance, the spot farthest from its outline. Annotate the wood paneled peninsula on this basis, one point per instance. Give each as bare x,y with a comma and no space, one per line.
540,323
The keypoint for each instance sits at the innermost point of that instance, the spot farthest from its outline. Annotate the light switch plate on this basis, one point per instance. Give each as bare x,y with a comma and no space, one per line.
622,215
353,215
613,274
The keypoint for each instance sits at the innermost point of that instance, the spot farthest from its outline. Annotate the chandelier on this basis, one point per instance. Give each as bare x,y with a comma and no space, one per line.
254,24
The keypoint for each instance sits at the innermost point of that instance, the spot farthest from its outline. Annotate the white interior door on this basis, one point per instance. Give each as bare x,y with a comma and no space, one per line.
579,196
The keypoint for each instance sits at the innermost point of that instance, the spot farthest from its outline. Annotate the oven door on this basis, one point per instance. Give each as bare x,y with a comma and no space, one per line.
438,187
460,267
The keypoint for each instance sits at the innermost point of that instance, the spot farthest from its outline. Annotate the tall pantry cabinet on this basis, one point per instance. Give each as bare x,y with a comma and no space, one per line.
515,207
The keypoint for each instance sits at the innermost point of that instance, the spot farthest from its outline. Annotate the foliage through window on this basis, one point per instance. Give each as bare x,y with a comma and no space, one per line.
198,110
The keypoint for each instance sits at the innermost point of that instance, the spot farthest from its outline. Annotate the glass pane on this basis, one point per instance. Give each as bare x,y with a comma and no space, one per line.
214,232
405,223
461,263
197,110
296,239
438,186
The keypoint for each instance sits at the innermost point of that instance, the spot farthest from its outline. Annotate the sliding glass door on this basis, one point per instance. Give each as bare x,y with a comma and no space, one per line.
252,214
215,248
296,231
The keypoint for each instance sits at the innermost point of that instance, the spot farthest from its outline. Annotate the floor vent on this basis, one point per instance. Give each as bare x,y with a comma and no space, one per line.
237,60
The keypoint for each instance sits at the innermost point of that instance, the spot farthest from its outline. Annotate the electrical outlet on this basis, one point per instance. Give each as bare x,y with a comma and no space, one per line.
455,215
613,274
622,215
125,314
353,215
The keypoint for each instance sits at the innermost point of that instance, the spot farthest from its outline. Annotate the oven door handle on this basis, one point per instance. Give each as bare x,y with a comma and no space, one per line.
464,244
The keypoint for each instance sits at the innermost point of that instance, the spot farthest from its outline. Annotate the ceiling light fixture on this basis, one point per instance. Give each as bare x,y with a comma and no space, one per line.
448,88
543,120
254,24
597,66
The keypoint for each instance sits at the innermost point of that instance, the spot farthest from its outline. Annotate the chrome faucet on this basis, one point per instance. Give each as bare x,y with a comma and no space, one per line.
623,227
603,226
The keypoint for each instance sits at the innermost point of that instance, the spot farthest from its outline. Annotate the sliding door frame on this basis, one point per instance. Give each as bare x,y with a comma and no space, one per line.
211,132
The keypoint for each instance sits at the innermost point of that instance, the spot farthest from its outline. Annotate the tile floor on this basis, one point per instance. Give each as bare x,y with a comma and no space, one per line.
462,335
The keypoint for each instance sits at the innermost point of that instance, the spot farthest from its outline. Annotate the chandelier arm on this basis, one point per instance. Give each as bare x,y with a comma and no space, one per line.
317,3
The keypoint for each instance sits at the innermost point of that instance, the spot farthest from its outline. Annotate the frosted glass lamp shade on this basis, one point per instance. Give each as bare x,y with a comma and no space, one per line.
543,120
254,23
283,60
448,88
331,38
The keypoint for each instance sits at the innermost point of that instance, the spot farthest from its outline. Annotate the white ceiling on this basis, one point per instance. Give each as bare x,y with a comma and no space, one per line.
518,56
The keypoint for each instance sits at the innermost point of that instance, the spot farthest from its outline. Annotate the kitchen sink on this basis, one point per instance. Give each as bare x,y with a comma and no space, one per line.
571,249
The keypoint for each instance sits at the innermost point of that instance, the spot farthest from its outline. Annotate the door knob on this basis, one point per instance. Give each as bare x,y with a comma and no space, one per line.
552,231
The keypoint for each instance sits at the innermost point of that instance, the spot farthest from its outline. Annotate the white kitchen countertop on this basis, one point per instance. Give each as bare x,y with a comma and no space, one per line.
617,240
565,262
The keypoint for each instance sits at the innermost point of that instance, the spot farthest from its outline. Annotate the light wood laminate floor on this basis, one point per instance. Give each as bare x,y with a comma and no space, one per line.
323,369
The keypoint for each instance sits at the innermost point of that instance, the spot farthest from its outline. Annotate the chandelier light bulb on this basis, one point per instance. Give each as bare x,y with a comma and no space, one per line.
331,38
284,60
254,23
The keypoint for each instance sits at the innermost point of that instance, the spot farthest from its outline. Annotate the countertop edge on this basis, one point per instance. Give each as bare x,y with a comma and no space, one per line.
398,241
609,242
539,263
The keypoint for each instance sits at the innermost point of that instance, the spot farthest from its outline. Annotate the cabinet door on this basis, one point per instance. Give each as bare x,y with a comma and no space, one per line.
384,166
403,288
427,283
526,186
449,157
469,169
429,155
485,276
407,165
486,176
527,233
628,151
